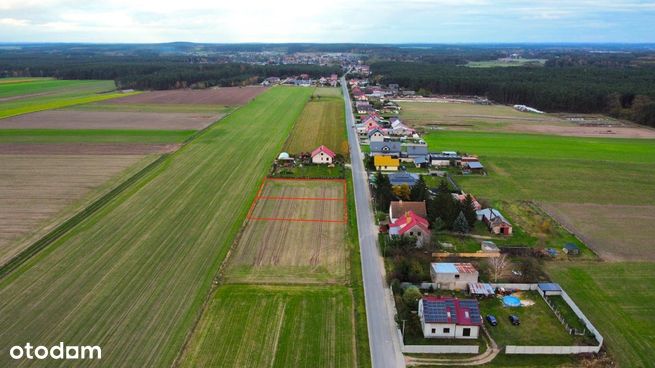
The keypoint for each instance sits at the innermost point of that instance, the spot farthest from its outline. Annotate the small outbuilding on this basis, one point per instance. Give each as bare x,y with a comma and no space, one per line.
549,288
453,276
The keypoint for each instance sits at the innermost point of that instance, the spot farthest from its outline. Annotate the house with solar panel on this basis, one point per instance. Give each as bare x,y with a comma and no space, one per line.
453,276
449,318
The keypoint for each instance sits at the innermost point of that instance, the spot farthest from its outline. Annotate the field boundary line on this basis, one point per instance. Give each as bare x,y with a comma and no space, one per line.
95,206
293,220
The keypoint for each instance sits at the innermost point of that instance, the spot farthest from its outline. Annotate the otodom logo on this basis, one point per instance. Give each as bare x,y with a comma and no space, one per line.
56,352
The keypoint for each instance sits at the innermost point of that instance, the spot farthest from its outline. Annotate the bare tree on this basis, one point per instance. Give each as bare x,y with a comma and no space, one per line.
498,266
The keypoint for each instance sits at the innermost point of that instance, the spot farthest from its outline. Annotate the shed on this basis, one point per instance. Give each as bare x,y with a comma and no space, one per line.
571,249
478,288
549,288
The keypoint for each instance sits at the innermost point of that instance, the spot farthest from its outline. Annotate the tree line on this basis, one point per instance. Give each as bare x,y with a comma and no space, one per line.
149,71
624,92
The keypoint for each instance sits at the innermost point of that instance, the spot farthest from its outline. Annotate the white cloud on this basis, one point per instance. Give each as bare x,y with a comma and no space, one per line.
13,22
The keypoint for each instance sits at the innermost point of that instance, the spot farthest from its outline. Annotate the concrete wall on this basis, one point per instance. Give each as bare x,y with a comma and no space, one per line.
437,349
560,350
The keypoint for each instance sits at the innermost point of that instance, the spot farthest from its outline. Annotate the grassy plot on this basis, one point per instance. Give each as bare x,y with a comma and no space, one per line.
274,326
132,277
25,97
321,122
93,136
618,298
321,92
556,169
188,108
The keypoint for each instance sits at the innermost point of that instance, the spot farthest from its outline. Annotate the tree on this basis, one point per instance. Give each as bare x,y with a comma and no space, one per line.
403,192
383,192
368,162
469,210
411,296
419,190
497,266
443,206
461,225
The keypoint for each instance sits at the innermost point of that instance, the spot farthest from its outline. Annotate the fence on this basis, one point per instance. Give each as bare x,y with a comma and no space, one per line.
466,255
437,349
513,349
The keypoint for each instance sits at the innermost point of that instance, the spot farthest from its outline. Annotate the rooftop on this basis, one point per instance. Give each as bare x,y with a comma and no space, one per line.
447,267
451,310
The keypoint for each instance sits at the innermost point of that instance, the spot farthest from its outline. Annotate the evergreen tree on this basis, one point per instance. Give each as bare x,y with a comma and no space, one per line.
444,205
460,225
383,192
469,210
419,190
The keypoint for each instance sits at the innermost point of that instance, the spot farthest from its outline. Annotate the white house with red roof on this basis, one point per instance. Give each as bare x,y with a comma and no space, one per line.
411,224
449,318
323,155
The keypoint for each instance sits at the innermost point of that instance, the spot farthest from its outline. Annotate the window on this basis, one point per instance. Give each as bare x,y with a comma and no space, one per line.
466,332
434,330
419,233
411,233
456,276
446,330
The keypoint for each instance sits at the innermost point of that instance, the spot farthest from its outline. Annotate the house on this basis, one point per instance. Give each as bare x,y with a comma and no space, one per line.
403,177
449,318
399,208
370,122
417,150
473,166
462,198
411,224
571,249
386,163
495,221
453,276
391,148
323,155
376,135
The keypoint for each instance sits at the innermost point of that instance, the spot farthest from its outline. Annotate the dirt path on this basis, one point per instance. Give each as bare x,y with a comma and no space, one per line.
492,351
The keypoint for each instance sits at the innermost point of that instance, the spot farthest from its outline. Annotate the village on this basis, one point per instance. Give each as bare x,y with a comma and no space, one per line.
460,279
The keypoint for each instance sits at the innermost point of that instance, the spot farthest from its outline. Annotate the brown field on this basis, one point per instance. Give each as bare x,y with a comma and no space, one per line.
301,241
614,232
68,119
85,148
216,96
37,192
501,118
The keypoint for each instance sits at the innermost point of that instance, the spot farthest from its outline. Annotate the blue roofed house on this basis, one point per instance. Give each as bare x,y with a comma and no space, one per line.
385,148
403,177
416,150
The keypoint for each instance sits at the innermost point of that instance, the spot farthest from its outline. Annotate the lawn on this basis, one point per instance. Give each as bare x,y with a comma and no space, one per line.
304,327
321,123
539,325
43,94
618,299
321,92
93,136
132,277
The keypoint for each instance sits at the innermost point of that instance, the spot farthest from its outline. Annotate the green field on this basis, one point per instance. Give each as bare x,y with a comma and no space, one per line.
556,169
93,136
321,123
132,277
328,92
274,326
22,97
618,298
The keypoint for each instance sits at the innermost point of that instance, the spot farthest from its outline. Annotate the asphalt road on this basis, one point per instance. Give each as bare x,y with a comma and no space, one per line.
383,340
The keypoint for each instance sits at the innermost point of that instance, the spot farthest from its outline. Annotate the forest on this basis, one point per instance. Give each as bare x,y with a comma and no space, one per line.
625,92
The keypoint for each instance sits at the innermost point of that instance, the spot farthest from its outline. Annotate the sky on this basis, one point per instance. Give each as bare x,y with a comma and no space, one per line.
367,21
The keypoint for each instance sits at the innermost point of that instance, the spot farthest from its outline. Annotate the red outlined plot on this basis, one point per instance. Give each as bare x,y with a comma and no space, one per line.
304,202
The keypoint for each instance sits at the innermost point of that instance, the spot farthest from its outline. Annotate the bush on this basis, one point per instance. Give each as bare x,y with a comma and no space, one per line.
411,296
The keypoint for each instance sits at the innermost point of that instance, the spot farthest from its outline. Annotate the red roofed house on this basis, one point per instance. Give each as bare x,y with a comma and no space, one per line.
449,317
411,224
323,155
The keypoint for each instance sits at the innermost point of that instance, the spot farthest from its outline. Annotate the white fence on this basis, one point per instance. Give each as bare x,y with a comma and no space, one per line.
513,349
437,349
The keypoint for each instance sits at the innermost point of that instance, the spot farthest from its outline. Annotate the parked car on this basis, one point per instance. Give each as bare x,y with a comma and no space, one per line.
514,319
492,320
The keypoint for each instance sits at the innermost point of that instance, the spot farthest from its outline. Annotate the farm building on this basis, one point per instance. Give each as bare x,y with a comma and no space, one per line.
449,318
386,163
385,148
461,198
403,177
443,160
399,208
473,166
411,224
376,135
323,155
571,249
453,276
284,158
495,221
